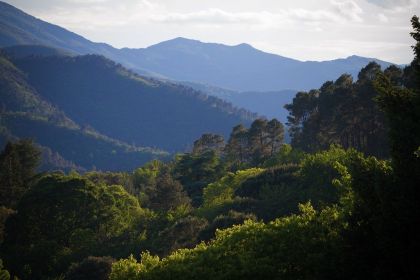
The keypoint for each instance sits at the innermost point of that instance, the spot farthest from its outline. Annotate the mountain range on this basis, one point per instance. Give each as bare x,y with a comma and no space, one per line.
87,111
239,68
97,114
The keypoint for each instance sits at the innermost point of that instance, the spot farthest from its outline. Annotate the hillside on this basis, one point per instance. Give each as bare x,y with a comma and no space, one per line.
265,103
96,92
240,67
65,144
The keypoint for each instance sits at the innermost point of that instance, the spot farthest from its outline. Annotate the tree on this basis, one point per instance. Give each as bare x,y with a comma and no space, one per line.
402,109
4,274
416,48
169,194
304,246
258,141
341,112
91,268
237,148
63,219
18,163
195,172
209,142
275,135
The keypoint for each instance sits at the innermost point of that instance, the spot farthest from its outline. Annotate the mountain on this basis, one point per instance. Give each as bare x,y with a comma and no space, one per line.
20,51
91,104
64,143
240,68
265,103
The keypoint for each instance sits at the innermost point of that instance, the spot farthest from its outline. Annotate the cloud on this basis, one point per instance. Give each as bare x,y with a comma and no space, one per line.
212,16
382,18
391,4
339,11
348,10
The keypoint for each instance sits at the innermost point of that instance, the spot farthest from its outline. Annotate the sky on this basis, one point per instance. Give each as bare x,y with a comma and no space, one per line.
301,29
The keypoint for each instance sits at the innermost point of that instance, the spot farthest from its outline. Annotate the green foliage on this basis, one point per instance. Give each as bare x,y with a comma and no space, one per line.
195,171
183,233
4,274
91,268
255,145
73,218
331,213
168,195
18,162
221,192
209,142
285,155
397,222
127,269
224,221
319,171
4,214
341,112
287,248
130,269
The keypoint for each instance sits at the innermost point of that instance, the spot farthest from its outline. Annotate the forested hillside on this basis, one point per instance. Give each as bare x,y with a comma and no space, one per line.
26,114
95,91
340,202
104,116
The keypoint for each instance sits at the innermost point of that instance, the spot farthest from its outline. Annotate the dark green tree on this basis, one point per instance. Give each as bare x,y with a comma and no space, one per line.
91,268
209,142
275,132
402,108
4,274
237,149
18,163
341,112
258,141
64,219
195,172
168,195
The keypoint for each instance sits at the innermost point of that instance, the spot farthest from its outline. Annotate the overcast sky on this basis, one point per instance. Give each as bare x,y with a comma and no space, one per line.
301,29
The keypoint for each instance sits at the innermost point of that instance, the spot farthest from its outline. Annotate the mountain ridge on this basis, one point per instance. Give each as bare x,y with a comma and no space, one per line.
240,67
90,103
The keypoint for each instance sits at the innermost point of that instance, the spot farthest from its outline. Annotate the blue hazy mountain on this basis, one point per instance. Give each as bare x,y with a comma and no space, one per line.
94,112
265,103
241,67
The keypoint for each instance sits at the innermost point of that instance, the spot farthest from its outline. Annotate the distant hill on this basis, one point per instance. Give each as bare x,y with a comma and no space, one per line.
240,68
264,103
94,91
64,143
20,51
89,108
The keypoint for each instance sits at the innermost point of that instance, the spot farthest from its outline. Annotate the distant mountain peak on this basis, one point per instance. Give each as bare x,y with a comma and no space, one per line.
245,46
176,41
193,42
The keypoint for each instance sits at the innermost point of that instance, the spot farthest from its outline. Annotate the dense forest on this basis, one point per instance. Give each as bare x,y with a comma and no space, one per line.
340,202
102,115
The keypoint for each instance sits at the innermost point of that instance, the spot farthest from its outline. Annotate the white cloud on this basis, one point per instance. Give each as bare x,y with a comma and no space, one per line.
348,10
382,18
216,16
393,3
339,11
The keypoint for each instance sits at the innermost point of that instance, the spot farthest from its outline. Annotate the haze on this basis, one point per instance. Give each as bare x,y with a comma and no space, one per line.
301,29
